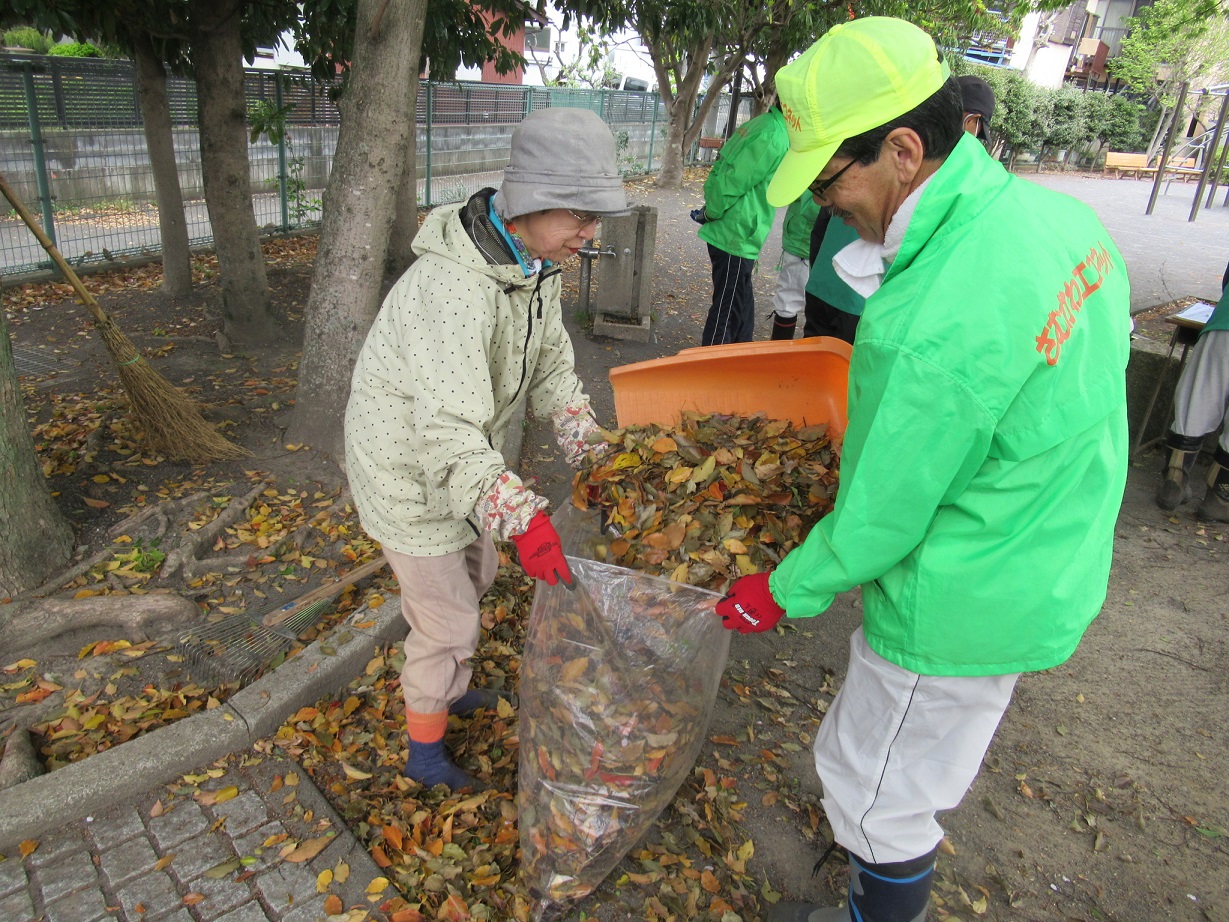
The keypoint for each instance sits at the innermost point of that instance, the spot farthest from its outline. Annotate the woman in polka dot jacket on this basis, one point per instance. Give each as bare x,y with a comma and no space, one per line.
471,329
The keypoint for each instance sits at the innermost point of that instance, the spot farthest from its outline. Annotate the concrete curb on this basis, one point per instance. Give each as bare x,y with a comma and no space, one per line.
106,778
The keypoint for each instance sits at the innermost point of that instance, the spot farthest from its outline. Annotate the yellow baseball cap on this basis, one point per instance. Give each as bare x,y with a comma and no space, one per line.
858,76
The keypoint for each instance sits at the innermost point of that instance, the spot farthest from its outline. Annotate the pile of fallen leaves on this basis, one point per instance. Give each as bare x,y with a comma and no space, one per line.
712,499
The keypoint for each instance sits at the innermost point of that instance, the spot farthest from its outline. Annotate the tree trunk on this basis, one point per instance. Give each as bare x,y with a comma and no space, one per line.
405,219
156,114
217,54
683,119
359,202
35,540
671,174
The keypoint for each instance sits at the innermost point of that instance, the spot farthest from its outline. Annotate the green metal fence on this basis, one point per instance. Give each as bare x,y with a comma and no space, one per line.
72,145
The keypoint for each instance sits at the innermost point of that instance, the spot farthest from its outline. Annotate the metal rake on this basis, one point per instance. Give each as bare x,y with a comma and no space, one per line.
238,648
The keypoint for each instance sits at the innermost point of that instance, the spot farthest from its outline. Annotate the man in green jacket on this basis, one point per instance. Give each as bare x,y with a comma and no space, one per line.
736,220
985,456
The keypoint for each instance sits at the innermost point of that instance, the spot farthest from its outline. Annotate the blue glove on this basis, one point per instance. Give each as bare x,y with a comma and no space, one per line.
698,215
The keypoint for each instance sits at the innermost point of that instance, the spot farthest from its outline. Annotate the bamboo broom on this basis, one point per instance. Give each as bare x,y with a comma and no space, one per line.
169,420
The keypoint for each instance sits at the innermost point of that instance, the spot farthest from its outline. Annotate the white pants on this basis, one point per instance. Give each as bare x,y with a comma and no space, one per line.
791,294
1202,396
897,747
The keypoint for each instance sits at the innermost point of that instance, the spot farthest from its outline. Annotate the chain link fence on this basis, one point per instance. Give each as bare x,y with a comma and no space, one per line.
73,147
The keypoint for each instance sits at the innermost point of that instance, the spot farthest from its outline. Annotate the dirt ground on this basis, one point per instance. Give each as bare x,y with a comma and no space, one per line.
1103,796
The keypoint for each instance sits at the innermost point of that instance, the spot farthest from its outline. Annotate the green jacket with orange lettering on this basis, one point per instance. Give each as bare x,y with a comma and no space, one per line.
986,451
738,215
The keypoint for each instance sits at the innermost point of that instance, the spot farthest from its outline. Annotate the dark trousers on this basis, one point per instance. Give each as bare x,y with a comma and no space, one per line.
731,318
822,319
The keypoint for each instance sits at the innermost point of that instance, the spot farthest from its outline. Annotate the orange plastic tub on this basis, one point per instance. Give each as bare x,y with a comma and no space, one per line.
804,380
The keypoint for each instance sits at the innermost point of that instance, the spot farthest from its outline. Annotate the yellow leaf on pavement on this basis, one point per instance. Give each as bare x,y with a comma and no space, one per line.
323,879
309,849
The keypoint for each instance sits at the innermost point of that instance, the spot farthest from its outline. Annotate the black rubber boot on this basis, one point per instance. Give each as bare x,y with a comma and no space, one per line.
476,698
783,327
896,892
1175,488
1215,505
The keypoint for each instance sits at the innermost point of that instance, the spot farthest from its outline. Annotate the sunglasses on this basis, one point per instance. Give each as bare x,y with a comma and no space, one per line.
820,187
585,217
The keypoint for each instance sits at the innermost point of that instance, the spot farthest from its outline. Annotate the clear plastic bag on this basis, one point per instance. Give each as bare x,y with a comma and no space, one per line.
618,682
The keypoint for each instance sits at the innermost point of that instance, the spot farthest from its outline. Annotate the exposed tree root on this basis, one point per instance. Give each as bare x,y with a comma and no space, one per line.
135,617
196,544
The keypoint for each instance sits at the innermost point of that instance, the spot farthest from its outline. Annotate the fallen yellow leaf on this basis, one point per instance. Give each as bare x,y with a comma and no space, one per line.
377,886
309,849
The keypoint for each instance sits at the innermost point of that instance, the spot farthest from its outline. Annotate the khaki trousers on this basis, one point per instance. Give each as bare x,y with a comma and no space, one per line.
439,600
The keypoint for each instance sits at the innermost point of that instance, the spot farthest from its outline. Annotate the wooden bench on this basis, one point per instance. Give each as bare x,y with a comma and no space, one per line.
1123,164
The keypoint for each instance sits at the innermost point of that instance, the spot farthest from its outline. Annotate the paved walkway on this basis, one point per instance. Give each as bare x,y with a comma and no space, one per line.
160,829
163,856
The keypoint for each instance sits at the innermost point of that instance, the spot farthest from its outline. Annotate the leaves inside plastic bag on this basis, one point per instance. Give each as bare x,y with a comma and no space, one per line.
618,681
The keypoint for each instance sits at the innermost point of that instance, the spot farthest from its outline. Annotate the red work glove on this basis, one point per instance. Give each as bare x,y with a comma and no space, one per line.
541,552
749,607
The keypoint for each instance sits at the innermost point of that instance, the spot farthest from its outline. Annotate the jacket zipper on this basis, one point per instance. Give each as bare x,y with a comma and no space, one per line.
536,293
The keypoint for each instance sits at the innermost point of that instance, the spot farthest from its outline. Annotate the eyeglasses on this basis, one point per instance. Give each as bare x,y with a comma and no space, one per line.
585,217
820,187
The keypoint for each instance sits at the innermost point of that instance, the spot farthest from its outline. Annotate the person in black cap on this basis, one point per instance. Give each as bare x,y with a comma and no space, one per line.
978,106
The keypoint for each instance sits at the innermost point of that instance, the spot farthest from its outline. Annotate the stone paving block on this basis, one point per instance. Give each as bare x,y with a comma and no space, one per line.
248,912
242,813
87,905
73,871
16,906
221,896
286,886
253,845
128,860
12,876
183,822
306,912
54,846
155,893
196,856
178,915
115,826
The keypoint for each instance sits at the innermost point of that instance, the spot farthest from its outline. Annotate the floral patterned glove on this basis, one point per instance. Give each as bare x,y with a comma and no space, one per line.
578,433
509,507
